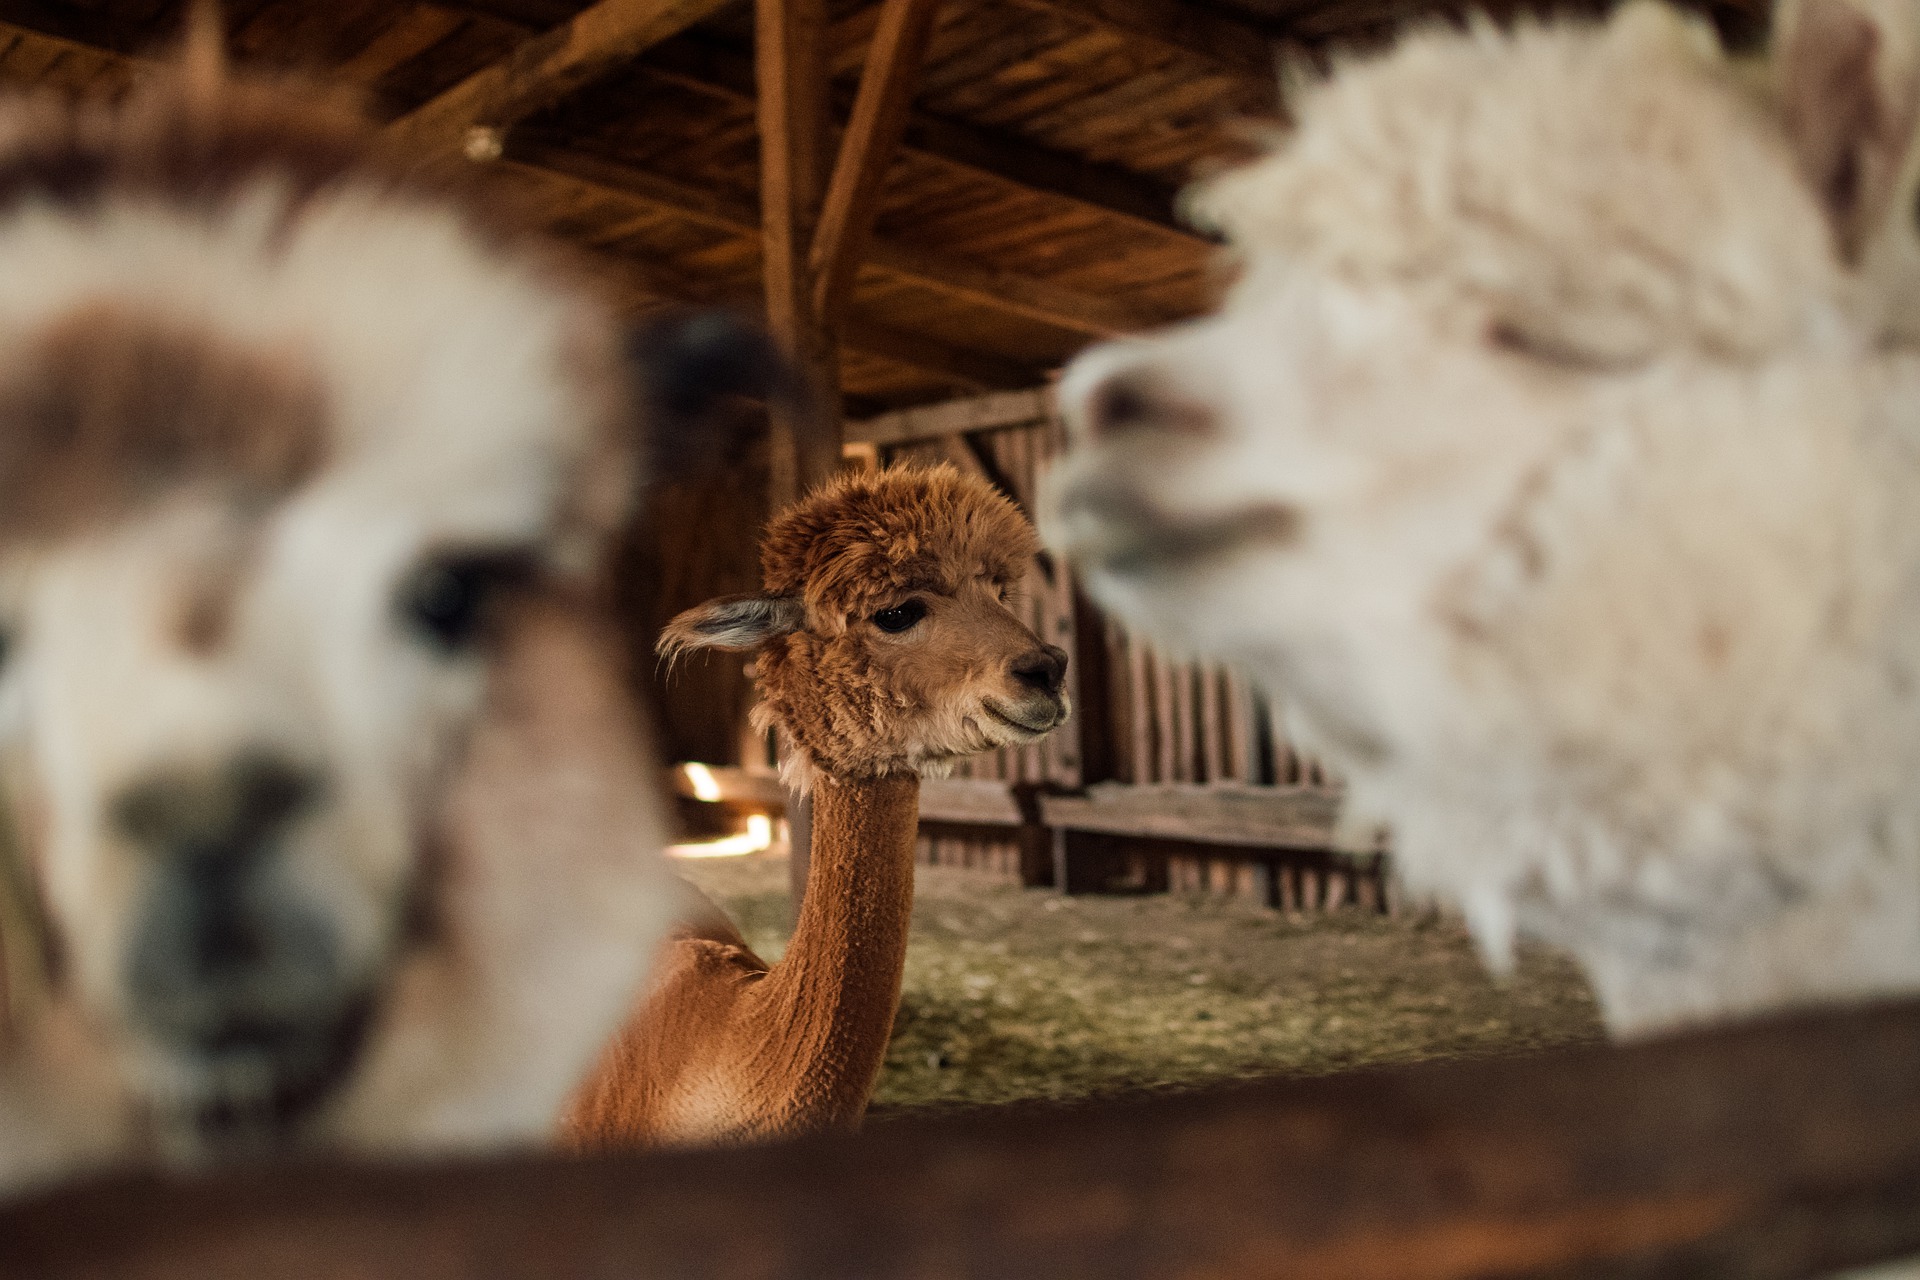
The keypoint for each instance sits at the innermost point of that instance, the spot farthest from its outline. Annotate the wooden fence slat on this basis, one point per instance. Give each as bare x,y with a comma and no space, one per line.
1213,726
1243,752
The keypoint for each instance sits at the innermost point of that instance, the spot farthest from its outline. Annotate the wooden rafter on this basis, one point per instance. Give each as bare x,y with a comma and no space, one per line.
978,153
867,147
538,74
700,67
1011,292
644,283
1234,46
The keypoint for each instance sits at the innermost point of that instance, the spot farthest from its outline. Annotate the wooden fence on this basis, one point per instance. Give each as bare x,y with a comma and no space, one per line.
1171,775
1775,1150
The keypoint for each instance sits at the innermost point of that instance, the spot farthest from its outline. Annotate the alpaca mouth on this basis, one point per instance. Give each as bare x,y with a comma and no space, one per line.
1125,534
1032,728
247,1082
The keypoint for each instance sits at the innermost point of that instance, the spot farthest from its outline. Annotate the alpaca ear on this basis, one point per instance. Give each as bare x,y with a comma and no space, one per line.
731,622
695,369
1848,81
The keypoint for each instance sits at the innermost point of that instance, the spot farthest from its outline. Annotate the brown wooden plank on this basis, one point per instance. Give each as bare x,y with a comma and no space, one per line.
1026,295
1243,753
1186,722
953,417
1783,1148
1140,717
538,74
1212,718
412,34
985,802
961,366
1278,817
956,366
873,131
1105,189
1226,41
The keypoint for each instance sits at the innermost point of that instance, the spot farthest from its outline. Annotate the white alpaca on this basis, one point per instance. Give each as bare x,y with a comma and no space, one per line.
1545,459
326,825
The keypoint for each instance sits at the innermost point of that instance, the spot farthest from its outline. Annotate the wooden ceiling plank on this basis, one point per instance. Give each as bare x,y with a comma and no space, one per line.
867,148
1071,309
44,46
412,34
924,357
540,73
646,282
1226,42
974,152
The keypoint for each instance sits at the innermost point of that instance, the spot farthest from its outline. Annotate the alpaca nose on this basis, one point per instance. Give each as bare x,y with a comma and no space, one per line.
1041,669
220,948
1136,400
216,819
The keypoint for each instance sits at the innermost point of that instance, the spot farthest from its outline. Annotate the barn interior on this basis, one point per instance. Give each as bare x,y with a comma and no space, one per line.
934,206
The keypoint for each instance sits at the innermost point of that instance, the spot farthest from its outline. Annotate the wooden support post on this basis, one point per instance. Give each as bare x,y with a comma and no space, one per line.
791,67
790,63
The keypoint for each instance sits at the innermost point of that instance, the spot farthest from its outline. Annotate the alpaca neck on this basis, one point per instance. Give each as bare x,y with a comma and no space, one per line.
838,985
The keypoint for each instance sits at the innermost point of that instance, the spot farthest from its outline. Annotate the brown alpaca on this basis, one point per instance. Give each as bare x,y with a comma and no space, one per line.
886,649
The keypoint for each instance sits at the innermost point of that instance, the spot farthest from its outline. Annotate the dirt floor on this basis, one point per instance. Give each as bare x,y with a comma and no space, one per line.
1014,993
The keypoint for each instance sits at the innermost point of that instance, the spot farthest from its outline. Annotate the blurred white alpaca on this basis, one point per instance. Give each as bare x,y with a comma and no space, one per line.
324,819
1548,461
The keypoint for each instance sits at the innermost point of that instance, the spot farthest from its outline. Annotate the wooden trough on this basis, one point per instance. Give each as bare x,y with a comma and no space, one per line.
1778,1149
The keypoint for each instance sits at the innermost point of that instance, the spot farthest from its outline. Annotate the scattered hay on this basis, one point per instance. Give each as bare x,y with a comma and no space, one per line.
1015,993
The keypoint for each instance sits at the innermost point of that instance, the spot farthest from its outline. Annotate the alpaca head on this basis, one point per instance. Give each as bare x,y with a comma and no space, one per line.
277,430
885,641
1496,291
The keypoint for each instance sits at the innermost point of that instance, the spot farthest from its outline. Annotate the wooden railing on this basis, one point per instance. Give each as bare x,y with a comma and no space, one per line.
1775,1150
1281,837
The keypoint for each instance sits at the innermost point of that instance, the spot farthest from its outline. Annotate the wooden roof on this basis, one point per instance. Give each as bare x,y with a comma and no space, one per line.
1028,206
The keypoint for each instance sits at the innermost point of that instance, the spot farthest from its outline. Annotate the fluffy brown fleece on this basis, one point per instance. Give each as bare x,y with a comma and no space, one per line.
863,539
860,543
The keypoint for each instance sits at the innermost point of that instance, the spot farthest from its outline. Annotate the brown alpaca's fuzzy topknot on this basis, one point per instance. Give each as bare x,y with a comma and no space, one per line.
862,540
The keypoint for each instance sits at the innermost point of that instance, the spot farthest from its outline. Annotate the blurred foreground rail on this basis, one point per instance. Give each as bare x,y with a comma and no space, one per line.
1776,1149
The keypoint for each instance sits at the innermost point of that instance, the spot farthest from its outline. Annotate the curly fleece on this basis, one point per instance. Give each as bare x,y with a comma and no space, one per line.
860,541
858,544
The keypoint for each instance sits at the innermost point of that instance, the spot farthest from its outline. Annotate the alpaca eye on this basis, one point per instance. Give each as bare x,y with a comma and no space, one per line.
901,617
448,600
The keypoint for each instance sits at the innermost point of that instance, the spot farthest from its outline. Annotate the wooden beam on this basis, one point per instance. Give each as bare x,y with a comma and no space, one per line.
879,117
929,357
1786,1147
1228,43
703,67
1008,291
994,412
962,366
1263,817
471,118
1250,817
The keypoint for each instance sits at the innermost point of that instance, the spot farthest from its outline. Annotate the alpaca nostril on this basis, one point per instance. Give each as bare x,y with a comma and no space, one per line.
222,815
1044,669
1136,400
